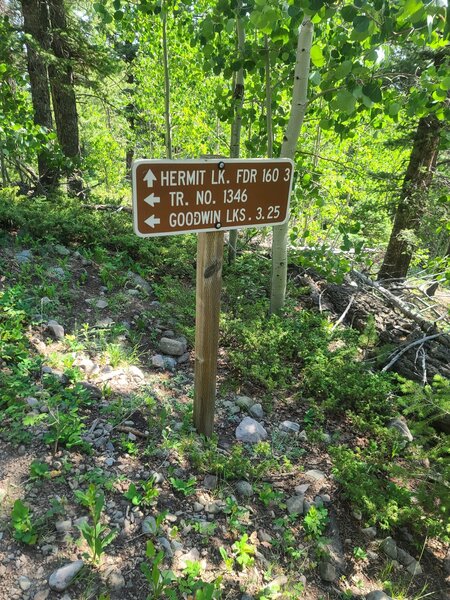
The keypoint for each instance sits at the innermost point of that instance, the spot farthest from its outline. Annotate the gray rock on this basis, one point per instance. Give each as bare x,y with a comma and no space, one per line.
327,571
414,568
377,595
244,489
370,532
326,438
198,507
372,555
116,581
401,426
263,536
302,436
165,544
24,256
56,329
192,556
149,526
164,362
256,411
94,392
63,526
56,273
41,594
109,461
289,427
389,547
316,474
250,431
80,521
32,402
156,476
136,372
213,508
210,482
173,347
404,557
61,250
244,402
184,358
60,579
139,282
101,304
295,505
24,583
300,490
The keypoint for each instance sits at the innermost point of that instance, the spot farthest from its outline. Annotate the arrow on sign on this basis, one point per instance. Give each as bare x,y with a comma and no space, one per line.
150,178
152,221
152,200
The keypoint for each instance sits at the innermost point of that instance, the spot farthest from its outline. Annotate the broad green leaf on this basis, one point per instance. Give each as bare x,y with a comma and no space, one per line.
344,101
317,56
348,13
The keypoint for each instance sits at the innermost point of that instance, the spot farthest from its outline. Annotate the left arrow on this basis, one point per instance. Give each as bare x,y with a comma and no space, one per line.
150,177
152,221
152,200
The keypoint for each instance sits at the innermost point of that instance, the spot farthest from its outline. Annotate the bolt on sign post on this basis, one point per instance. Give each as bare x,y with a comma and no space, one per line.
208,197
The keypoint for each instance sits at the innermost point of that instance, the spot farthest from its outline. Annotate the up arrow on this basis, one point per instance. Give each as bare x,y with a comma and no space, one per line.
152,221
152,200
149,178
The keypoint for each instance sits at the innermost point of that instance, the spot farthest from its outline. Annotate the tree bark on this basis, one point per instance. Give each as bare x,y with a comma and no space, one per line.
412,204
36,28
167,115
238,102
63,95
288,148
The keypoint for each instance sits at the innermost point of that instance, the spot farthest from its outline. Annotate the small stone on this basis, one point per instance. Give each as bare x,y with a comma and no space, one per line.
377,595
295,505
357,514
414,568
80,521
116,581
210,482
372,555
256,411
244,402
24,583
401,426
173,347
214,508
156,477
101,304
184,358
318,502
404,557
60,579
56,329
24,256
198,507
32,402
326,498
149,526
302,436
327,571
289,427
63,526
136,372
263,536
326,438
132,437
370,532
57,273
244,489
165,544
300,490
316,474
41,595
139,282
61,250
389,547
191,556
250,431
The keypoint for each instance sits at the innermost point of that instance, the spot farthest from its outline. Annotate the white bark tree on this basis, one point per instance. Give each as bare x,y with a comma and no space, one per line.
288,148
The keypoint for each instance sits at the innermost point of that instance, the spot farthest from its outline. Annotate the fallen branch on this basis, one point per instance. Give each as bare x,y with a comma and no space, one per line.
344,314
108,207
133,430
401,352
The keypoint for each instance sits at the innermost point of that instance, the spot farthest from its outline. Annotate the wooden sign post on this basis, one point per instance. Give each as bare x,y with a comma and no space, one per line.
208,197
207,316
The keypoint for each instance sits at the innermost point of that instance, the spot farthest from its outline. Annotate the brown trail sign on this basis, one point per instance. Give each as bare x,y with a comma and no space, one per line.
208,197
192,196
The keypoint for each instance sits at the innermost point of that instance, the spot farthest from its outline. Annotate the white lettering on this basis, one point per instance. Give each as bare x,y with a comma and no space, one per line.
178,178
188,219
217,177
203,197
246,176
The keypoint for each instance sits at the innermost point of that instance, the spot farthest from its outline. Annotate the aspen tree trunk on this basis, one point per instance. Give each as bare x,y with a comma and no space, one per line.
238,102
166,86
288,148
412,204
268,99
36,26
63,95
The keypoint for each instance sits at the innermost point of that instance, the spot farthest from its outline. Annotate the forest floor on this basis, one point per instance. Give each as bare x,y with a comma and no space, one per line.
100,404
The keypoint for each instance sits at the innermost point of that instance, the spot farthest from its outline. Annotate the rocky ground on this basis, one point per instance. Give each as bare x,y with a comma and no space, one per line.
257,510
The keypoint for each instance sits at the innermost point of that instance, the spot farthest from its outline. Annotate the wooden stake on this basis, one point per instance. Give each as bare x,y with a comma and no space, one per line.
209,284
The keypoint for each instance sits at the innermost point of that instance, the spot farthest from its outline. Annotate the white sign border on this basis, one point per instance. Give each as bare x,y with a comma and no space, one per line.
195,161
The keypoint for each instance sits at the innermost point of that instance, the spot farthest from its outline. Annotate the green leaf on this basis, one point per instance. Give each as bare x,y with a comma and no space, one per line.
361,23
373,91
317,56
344,101
343,69
348,13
